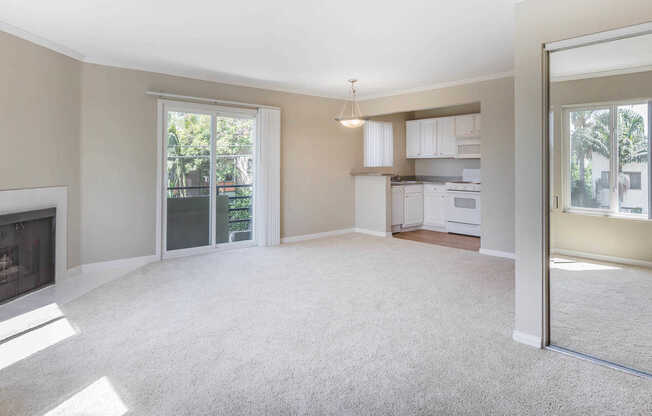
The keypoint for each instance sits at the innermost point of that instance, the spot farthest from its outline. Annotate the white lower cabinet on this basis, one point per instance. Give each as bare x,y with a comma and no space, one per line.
397,205
419,205
434,209
413,209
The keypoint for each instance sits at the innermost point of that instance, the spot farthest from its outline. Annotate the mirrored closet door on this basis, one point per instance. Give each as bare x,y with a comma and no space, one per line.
600,227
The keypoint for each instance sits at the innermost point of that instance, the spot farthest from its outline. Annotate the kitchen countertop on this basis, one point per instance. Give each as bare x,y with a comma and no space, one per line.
371,173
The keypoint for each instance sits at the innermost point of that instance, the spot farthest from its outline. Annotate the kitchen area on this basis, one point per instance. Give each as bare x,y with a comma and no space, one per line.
432,191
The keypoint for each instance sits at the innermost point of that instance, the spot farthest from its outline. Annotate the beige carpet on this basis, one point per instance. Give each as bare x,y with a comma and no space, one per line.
352,325
602,309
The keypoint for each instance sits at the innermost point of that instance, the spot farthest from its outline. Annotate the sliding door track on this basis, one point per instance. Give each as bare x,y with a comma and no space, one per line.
599,361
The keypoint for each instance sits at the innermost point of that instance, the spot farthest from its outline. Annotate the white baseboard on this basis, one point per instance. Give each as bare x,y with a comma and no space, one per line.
305,237
372,232
497,253
601,257
527,339
125,265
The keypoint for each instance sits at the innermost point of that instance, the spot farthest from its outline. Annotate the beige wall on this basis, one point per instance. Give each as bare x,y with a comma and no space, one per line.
496,98
596,234
538,22
118,159
64,120
39,119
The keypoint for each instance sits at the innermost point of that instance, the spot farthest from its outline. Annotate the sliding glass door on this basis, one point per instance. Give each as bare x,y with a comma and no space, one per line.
188,179
209,159
234,176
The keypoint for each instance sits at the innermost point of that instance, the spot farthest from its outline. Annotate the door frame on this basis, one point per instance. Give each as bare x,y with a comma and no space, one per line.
163,106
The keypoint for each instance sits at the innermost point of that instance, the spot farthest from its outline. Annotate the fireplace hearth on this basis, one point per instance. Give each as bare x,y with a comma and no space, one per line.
27,252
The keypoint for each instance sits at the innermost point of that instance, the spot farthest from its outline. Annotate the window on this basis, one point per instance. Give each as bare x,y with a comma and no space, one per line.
378,144
605,139
634,180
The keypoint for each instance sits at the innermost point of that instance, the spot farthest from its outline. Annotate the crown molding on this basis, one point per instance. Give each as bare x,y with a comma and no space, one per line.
442,85
222,79
23,34
201,75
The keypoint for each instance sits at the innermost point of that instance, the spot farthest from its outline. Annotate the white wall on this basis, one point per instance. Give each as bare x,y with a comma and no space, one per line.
445,167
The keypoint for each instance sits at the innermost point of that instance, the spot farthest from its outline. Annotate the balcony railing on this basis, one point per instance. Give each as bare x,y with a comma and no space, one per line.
222,189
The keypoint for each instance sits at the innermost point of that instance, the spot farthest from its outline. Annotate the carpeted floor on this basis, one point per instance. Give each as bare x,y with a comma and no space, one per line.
340,326
602,309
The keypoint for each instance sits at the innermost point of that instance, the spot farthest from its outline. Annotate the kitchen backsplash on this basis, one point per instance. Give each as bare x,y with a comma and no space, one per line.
444,167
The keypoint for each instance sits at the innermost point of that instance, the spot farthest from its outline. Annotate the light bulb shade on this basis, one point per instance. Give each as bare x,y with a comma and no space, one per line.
355,118
351,122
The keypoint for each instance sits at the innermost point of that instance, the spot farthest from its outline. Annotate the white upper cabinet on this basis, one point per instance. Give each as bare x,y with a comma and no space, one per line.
412,138
428,138
468,125
446,144
438,137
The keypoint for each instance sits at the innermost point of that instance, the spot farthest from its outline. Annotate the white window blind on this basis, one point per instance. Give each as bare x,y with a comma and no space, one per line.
378,144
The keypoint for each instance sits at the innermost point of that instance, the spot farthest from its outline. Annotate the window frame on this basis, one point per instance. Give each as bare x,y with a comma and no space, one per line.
614,210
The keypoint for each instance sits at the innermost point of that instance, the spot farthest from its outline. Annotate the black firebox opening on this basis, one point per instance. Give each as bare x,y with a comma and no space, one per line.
26,252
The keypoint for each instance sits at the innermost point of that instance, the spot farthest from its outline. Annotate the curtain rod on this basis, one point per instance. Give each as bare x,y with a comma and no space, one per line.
208,100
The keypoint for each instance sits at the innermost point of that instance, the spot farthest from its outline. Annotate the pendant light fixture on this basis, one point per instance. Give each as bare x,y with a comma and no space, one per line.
355,118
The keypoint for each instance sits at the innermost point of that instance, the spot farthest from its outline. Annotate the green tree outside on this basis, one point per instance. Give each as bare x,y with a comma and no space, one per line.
590,133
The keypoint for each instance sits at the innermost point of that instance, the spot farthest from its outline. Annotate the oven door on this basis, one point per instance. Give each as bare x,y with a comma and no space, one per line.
463,207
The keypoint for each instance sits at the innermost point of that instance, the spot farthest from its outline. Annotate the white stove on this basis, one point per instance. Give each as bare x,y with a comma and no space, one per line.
464,186
463,210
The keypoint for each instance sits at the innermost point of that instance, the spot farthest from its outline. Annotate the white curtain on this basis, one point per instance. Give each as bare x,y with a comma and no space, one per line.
378,144
267,209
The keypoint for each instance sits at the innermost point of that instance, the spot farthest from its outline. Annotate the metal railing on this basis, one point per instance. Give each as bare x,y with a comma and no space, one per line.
224,188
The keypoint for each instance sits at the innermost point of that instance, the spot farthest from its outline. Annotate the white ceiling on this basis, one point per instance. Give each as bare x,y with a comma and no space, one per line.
603,59
293,45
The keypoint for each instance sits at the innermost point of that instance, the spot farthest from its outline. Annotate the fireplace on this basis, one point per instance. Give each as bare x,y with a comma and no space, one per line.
27,252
